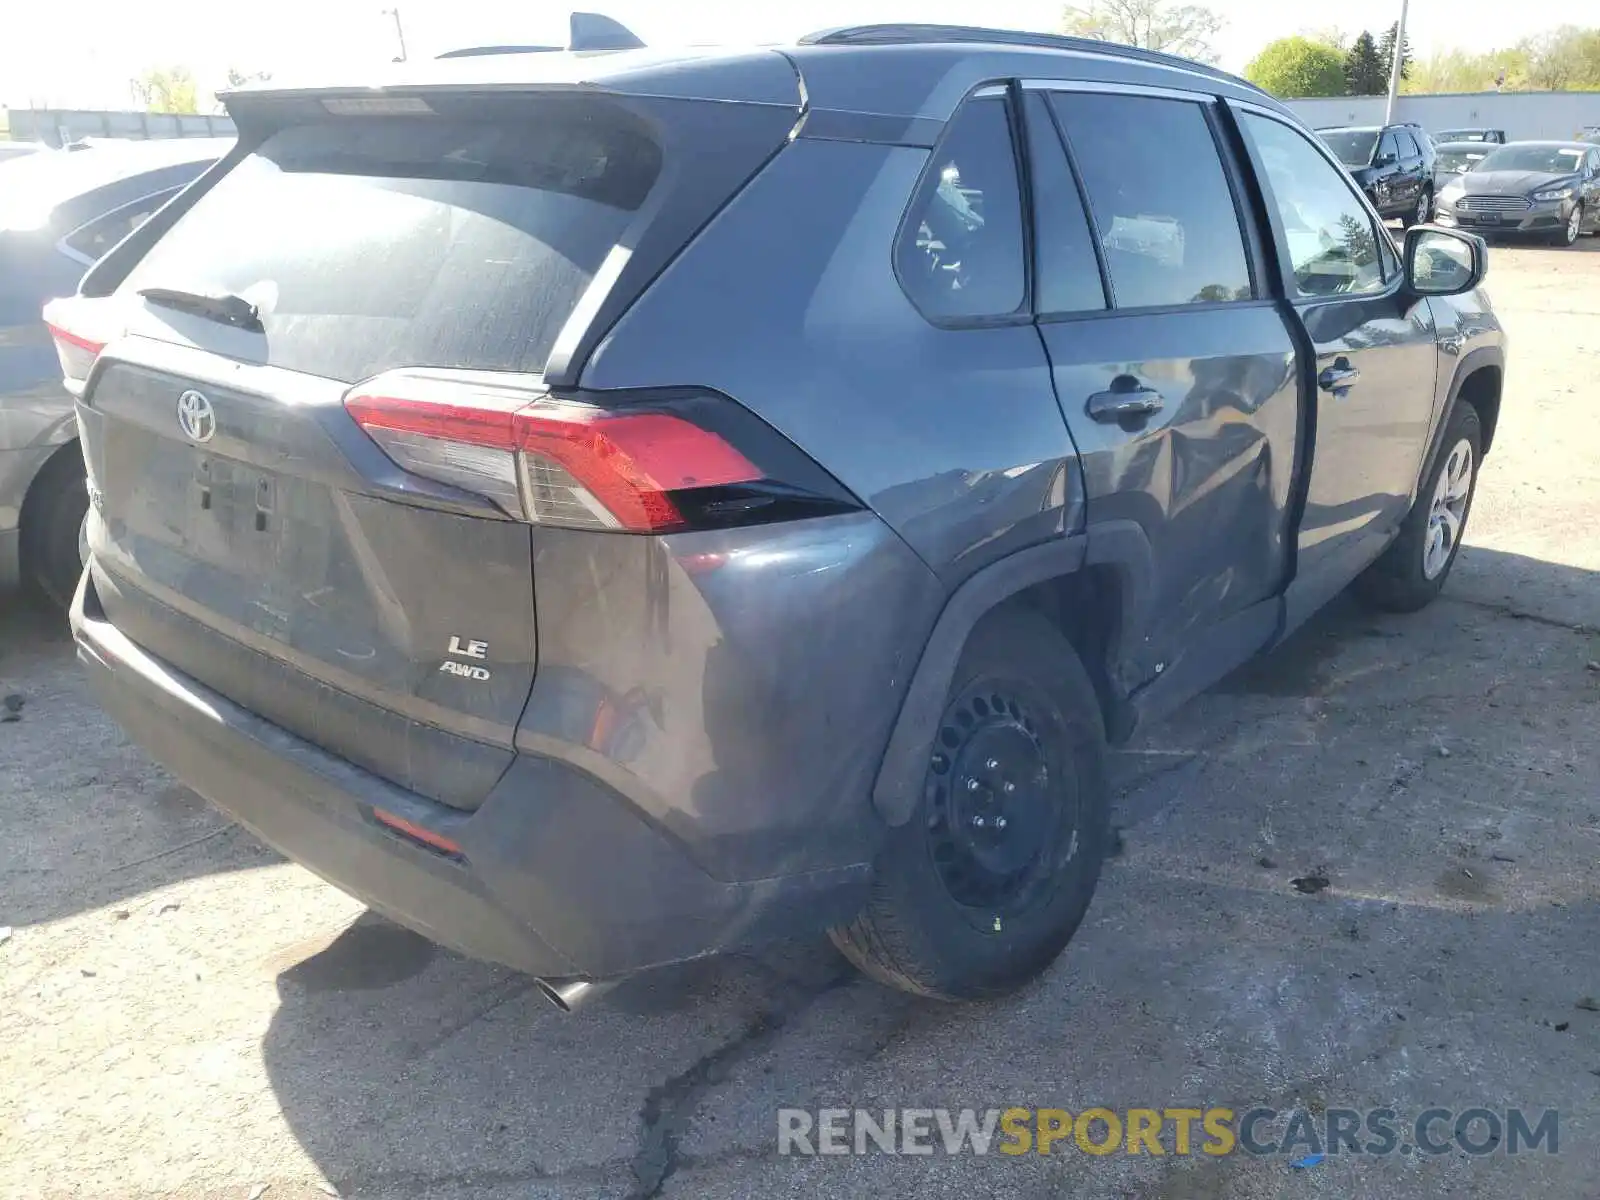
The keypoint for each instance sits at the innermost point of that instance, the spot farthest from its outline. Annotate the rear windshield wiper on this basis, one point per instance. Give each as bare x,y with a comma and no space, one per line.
214,306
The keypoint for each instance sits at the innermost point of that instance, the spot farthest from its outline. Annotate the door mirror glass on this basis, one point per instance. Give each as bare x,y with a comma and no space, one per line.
1441,262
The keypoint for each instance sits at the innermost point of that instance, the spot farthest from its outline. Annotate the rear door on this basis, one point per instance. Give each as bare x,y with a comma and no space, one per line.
249,533
1408,184
1388,184
1173,366
1591,190
1375,357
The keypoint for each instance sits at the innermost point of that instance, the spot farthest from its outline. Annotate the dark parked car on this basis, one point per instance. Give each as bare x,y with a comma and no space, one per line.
1392,163
1456,158
1493,136
1550,189
603,510
59,212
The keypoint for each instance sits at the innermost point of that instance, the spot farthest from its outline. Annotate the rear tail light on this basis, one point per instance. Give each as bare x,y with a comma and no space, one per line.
77,353
655,464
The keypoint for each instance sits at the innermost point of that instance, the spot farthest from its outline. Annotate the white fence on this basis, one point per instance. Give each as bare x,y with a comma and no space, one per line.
1523,115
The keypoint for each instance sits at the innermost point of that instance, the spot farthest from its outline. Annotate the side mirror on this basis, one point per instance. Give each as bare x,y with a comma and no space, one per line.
1444,262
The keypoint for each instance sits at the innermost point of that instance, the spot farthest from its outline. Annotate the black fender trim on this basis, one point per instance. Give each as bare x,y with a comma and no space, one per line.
1121,544
1476,360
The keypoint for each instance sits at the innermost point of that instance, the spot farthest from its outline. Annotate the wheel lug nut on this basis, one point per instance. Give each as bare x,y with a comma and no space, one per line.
999,822
972,785
992,764
1010,787
978,822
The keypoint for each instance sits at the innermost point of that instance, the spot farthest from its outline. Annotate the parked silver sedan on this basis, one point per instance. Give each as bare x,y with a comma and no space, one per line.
59,212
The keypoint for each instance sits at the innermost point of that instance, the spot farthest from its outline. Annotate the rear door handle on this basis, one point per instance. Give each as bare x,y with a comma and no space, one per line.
1116,405
1339,378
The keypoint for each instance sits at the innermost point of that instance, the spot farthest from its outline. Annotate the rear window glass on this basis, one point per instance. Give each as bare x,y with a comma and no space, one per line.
378,243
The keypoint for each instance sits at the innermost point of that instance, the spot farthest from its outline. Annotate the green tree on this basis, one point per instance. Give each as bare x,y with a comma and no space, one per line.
1455,71
1364,72
169,90
1185,29
1563,59
1297,66
1386,49
238,78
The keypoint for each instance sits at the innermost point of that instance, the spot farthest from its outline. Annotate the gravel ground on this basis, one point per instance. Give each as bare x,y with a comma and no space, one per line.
183,1014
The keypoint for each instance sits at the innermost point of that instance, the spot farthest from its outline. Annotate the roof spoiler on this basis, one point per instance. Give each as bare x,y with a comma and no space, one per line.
587,31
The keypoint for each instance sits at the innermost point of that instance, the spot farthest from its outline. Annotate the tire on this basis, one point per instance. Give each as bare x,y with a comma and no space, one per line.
52,526
1421,212
1408,575
1573,229
956,923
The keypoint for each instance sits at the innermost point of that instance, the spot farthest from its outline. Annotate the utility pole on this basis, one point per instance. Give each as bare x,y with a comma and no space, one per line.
401,33
1394,67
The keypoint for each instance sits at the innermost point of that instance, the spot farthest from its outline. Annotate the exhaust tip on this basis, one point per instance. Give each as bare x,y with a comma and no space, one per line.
570,993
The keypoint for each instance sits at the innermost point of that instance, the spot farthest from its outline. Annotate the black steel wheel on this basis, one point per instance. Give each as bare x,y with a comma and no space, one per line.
1000,821
987,882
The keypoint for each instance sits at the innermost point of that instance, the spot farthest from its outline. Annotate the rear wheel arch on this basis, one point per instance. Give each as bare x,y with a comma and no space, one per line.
1090,589
61,476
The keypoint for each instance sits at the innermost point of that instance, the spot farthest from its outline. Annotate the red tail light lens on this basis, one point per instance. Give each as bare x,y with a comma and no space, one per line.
77,353
561,461
628,464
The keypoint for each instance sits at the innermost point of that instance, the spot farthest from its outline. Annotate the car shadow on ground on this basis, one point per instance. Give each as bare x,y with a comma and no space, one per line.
1359,870
89,820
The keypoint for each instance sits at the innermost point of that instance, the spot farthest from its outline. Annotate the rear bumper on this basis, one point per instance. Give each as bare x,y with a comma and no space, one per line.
558,875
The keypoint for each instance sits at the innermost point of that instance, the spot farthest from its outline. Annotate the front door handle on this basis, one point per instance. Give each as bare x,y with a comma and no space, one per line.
1339,378
1117,405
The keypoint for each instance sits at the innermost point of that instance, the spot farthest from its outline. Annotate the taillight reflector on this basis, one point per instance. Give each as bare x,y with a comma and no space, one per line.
417,833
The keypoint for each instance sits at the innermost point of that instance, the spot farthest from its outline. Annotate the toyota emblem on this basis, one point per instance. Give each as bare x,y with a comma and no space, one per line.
196,417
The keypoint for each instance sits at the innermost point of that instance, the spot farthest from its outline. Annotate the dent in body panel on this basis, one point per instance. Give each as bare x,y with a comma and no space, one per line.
1207,478
738,686
788,303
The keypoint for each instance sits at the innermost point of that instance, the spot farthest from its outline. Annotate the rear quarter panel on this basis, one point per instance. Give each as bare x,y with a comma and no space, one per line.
788,302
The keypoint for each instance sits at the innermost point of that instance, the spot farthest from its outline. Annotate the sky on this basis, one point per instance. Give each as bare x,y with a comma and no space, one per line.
82,53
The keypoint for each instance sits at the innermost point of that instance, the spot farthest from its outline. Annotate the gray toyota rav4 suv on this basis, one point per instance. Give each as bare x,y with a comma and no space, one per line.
605,509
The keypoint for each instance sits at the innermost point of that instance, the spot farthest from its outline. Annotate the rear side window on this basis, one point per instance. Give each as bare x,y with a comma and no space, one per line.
960,250
370,244
1068,275
1388,148
91,241
1160,200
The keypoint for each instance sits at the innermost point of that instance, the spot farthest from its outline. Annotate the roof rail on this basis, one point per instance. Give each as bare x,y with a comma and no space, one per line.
911,33
587,31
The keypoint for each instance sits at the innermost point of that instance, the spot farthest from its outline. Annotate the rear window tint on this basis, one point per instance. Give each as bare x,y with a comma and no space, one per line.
378,243
960,251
